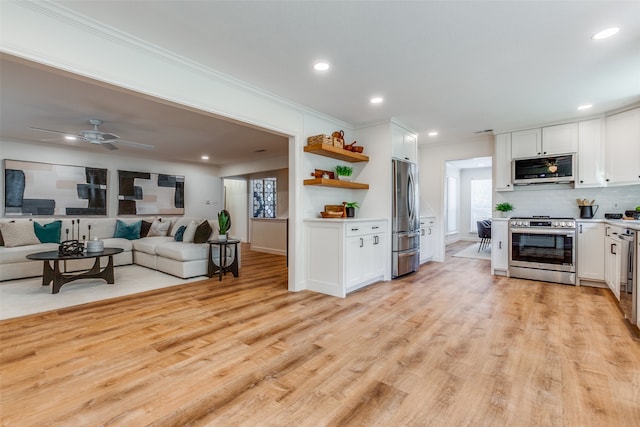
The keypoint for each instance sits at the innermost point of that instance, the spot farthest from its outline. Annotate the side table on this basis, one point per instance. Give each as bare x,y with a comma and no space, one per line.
213,268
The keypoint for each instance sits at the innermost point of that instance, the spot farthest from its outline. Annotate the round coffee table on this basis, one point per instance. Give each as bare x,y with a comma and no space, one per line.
58,278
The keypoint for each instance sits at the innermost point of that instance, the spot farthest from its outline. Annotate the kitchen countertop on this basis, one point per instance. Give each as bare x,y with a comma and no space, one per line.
626,223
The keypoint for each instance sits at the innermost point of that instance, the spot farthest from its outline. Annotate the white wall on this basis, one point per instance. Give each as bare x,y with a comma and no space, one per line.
431,159
203,188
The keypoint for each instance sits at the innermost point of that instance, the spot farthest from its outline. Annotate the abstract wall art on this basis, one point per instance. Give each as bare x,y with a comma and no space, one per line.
32,188
144,193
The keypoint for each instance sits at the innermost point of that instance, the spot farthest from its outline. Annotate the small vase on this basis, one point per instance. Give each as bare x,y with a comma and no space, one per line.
222,238
344,178
351,212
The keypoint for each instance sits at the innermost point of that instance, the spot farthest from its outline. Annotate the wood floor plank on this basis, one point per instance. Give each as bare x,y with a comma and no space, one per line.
447,345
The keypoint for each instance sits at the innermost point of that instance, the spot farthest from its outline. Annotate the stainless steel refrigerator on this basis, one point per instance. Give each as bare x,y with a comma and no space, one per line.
406,219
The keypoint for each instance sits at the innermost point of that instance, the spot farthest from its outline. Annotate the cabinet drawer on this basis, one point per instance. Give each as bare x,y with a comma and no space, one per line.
363,228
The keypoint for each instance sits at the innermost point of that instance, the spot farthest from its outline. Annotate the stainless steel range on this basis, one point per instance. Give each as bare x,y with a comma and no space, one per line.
543,248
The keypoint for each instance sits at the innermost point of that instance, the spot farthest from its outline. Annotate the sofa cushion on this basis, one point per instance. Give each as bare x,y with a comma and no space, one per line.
19,253
190,232
19,233
202,232
159,228
101,228
179,234
148,245
48,233
179,222
183,251
117,242
128,231
145,227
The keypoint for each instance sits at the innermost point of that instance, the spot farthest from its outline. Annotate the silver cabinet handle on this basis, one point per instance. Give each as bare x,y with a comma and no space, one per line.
613,245
355,229
376,240
429,231
361,242
375,227
580,228
500,245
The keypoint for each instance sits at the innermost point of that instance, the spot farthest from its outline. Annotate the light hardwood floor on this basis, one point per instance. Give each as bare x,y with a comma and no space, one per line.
448,346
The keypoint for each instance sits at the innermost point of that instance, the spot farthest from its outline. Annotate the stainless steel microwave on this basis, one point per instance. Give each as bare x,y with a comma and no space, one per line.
550,169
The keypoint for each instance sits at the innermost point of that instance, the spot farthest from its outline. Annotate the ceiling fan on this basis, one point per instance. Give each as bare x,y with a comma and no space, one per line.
97,137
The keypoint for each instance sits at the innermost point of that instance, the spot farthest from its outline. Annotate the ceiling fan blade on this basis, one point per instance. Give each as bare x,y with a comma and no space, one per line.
53,131
134,144
109,137
109,146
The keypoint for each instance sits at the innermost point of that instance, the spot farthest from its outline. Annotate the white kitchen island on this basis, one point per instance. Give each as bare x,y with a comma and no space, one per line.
345,254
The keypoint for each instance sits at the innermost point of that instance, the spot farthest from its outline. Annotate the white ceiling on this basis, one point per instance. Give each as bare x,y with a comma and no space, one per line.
456,67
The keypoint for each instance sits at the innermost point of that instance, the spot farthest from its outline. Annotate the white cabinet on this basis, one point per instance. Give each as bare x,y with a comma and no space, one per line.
427,238
345,255
622,148
526,143
404,144
364,254
612,259
591,250
559,139
548,141
502,164
499,246
590,168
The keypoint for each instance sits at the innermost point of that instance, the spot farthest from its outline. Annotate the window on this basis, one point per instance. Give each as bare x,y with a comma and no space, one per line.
264,197
480,202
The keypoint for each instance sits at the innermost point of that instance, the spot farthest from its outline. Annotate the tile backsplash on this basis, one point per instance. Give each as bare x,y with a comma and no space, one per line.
550,200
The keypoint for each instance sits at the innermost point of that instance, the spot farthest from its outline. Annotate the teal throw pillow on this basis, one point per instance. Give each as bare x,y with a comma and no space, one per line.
180,234
128,231
48,233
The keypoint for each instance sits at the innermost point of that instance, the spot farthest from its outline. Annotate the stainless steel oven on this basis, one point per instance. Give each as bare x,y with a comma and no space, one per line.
543,248
629,277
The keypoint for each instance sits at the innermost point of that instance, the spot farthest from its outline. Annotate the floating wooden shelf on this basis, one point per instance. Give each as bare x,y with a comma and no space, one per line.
336,153
323,182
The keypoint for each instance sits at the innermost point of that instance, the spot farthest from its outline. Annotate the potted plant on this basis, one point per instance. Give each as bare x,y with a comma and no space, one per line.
503,208
224,224
344,172
350,208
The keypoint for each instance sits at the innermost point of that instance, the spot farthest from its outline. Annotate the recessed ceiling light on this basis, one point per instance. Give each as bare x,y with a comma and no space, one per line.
321,66
585,107
205,157
376,100
433,133
70,137
605,34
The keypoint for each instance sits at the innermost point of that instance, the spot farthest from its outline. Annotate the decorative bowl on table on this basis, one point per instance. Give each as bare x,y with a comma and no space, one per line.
95,245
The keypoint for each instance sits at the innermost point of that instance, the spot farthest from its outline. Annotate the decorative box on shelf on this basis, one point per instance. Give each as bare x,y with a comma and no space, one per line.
325,140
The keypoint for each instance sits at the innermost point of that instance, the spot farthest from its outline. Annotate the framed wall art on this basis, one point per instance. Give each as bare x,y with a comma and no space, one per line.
144,193
32,188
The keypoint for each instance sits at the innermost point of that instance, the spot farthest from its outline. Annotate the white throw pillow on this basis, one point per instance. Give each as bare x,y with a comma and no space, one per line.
18,233
190,232
159,228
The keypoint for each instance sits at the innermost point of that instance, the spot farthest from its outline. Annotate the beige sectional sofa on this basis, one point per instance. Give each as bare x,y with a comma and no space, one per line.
161,253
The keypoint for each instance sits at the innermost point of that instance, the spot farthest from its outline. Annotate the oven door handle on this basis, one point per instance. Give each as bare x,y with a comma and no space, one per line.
553,231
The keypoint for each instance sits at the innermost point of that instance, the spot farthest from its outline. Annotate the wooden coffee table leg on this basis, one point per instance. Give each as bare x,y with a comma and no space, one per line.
107,273
58,278
47,273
